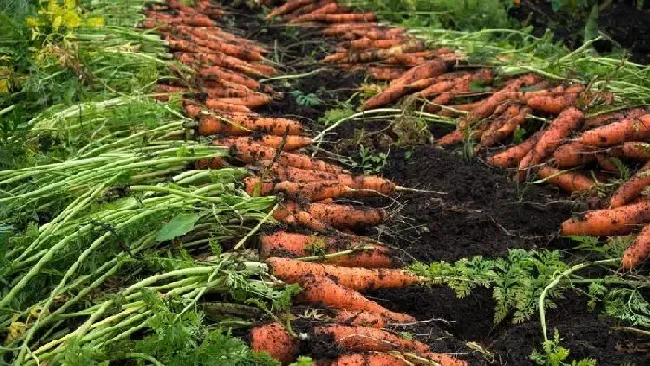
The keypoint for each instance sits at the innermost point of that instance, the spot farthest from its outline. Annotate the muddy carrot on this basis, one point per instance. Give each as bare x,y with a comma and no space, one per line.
221,73
286,244
628,129
218,105
369,359
356,278
444,360
512,156
573,154
567,180
366,339
631,189
366,182
559,129
616,221
606,163
288,7
244,125
250,153
342,18
288,143
328,8
606,118
385,72
370,43
347,216
504,125
637,150
360,319
638,251
274,339
323,290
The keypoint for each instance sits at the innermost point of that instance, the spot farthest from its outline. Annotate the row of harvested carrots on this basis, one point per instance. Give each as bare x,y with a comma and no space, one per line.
493,114
220,99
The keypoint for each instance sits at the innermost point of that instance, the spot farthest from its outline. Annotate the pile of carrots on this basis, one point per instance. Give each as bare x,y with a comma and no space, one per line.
333,266
576,152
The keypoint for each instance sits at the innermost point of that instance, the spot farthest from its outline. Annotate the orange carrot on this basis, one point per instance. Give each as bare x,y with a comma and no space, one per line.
233,124
274,339
385,72
288,143
328,8
606,118
637,150
360,319
347,216
365,339
368,359
637,251
286,244
366,182
628,129
343,18
568,181
366,43
631,189
607,163
251,100
359,279
221,73
616,221
249,153
559,129
218,105
444,360
573,154
504,125
324,291
306,9
513,155
288,7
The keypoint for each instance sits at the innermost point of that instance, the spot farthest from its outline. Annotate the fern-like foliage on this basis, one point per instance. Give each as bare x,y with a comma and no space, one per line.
553,354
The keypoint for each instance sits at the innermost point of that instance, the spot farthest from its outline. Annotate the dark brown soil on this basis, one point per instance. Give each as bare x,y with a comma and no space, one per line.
477,210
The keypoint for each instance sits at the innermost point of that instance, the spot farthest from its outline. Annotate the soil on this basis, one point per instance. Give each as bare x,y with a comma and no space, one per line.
627,26
475,210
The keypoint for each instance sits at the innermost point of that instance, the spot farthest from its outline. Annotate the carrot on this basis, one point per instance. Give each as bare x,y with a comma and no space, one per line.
218,105
637,150
627,129
355,278
365,339
250,100
366,182
360,319
347,216
616,221
631,189
274,339
399,87
223,74
288,143
369,359
323,290
637,251
559,129
573,154
297,245
568,181
230,123
513,155
353,57
328,8
366,43
606,118
504,125
343,18
606,163
552,104
444,360
385,72
288,7
221,60
306,9
249,153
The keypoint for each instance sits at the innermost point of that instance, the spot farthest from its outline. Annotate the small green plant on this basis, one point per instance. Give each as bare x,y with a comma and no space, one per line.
303,99
341,111
553,354
371,163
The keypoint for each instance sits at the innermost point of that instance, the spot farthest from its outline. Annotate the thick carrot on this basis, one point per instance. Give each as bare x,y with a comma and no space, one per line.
637,251
400,86
359,279
513,155
445,360
631,189
637,150
347,216
628,129
568,181
218,105
360,319
366,339
223,74
274,339
274,126
249,153
368,359
573,154
288,143
551,138
286,244
606,118
616,221
288,7
606,163
324,291
366,182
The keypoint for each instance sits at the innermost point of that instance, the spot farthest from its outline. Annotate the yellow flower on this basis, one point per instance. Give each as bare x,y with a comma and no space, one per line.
56,23
4,86
71,19
15,331
32,22
70,4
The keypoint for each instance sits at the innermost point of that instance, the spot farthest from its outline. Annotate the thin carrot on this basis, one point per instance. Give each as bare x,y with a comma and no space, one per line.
637,251
504,125
568,181
286,244
631,189
369,359
627,129
513,155
324,291
616,221
218,105
356,278
366,43
366,339
229,123
328,8
221,73
288,143
288,7
274,339
360,319
342,18
559,129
